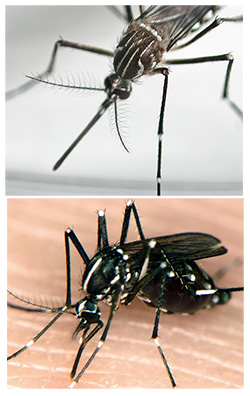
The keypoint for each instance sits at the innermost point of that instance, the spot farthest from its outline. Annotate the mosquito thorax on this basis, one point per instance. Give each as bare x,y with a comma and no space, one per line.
139,51
103,273
118,87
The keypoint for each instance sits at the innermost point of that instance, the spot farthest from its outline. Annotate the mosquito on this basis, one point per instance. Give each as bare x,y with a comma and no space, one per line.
142,51
161,271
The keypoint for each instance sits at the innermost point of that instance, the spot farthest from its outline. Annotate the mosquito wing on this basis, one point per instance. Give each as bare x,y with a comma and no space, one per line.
179,247
174,22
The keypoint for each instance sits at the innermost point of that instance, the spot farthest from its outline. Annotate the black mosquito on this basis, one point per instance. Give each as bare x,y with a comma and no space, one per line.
160,271
141,51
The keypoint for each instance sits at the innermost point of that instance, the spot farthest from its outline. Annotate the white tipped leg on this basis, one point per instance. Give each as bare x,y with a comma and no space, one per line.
165,362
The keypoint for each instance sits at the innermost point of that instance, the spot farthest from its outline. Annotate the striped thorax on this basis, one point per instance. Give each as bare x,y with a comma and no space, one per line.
138,52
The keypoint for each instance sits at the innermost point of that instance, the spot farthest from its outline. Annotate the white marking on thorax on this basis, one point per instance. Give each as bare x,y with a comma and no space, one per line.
95,266
151,30
129,61
115,279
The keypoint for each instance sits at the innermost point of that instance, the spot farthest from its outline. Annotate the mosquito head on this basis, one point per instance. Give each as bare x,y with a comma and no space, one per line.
220,297
88,311
116,86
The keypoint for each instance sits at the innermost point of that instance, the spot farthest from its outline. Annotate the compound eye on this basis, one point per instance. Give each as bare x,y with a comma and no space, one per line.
110,81
123,89
122,94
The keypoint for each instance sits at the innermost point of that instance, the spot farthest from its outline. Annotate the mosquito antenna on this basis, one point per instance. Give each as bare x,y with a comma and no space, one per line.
117,125
61,85
40,306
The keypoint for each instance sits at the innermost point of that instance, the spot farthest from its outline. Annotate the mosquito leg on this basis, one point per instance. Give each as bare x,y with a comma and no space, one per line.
31,342
126,16
218,21
138,223
50,68
129,13
142,9
216,58
155,332
165,72
145,276
82,346
70,234
130,206
114,306
102,231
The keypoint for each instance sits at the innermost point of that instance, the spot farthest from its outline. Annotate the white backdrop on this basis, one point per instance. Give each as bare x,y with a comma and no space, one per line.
202,146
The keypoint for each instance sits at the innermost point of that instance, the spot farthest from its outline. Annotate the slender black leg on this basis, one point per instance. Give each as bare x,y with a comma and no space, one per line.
125,15
138,223
216,58
155,331
165,72
218,21
31,342
50,68
70,234
129,13
145,276
102,231
147,273
115,302
82,346
130,206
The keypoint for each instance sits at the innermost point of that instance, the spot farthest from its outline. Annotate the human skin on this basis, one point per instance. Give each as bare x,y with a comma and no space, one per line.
204,350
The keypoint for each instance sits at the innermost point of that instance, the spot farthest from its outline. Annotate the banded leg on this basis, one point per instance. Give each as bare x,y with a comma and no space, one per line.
155,331
216,58
59,43
165,72
145,277
115,303
69,234
36,338
83,344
